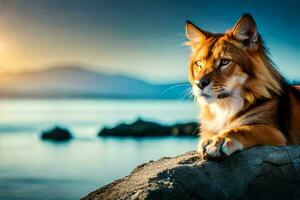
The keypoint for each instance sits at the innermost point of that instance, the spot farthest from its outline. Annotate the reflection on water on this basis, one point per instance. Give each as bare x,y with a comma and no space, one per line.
33,169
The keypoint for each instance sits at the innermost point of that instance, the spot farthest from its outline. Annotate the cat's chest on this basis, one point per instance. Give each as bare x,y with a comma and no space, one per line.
222,118
217,124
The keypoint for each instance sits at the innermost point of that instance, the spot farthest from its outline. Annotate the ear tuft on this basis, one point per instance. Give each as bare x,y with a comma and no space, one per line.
245,29
194,33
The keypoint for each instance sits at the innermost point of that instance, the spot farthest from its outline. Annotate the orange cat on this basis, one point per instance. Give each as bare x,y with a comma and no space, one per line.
244,101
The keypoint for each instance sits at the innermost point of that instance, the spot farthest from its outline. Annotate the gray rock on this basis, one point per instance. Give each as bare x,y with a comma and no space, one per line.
263,172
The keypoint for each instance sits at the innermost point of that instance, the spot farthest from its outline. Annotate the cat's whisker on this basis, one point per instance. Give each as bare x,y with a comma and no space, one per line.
172,87
187,94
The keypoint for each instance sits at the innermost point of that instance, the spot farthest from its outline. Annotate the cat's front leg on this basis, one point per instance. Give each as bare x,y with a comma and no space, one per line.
220,146
232,140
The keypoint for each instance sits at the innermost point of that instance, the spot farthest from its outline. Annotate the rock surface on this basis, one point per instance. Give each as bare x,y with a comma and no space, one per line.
263,172
141,128
57,134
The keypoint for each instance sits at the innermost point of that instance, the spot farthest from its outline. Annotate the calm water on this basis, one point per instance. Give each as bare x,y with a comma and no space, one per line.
33,169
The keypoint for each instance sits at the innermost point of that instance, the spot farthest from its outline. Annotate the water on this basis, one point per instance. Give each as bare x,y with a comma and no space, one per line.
34,169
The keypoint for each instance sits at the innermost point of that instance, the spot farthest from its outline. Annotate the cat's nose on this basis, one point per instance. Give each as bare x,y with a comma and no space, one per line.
203,82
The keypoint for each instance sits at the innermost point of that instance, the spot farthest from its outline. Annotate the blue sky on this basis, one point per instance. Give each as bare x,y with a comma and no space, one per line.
140,38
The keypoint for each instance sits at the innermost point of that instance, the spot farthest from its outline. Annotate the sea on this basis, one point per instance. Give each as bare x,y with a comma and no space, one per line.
31,168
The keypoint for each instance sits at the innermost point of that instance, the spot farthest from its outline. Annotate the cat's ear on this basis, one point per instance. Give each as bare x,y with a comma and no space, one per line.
193,33
245,30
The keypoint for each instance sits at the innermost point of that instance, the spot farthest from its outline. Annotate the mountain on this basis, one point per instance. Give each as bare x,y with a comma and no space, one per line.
76,82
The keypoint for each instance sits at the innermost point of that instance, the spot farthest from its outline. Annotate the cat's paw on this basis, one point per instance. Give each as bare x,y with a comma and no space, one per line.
202,145
218,146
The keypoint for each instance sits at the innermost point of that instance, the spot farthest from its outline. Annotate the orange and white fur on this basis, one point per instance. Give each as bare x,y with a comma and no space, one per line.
243,99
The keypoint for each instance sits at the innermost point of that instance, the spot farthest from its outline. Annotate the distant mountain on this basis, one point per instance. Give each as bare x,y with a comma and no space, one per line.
75,82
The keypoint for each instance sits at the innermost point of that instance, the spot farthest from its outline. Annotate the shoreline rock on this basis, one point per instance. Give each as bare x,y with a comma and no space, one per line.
57,134
141,128
262,172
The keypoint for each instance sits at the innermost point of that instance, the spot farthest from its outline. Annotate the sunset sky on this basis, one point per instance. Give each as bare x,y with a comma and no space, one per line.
140,38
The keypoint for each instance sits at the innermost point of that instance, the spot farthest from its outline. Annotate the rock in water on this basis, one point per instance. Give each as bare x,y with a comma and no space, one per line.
57,134
263,172
141,128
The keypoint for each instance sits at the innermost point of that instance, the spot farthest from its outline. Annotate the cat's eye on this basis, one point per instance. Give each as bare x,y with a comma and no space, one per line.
224,62
198,63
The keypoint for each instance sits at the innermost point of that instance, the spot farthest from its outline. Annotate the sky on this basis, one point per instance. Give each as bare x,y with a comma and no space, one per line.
139,38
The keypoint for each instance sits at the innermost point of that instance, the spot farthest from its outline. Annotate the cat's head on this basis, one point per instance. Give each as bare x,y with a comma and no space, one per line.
230,64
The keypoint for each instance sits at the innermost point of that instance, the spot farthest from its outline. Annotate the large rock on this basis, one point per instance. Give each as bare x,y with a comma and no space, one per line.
141,128
257,173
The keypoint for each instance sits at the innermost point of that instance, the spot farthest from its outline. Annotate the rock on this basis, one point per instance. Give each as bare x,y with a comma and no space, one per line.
141,128
263,172
57,134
